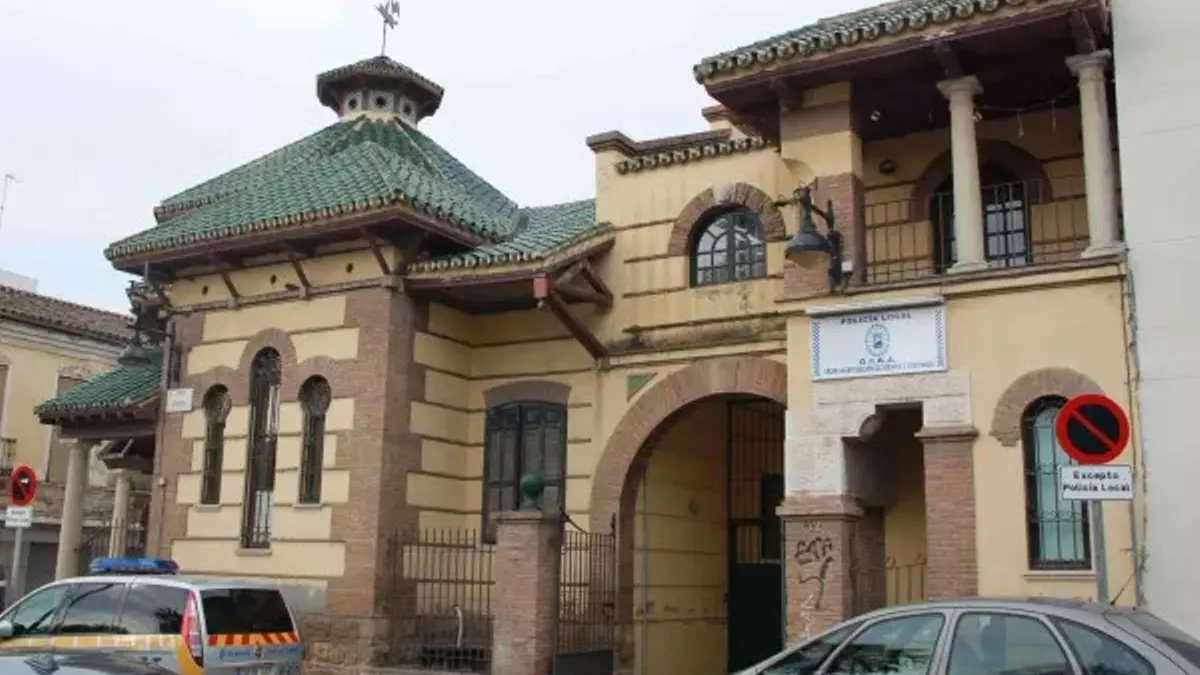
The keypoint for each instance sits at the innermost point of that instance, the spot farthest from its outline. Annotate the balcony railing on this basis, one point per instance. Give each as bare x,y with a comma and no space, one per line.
1025,223
8,456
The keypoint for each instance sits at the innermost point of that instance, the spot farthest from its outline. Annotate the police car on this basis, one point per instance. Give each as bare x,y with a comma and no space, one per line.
141,607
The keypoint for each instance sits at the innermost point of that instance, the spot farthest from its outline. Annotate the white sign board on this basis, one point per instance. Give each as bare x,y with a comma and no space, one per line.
18,517
1104,482
180,400
879,342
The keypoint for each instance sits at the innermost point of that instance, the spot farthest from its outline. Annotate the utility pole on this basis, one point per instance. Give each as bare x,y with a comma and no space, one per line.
8,178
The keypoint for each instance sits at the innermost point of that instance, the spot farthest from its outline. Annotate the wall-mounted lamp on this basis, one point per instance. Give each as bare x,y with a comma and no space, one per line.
810,249
150,324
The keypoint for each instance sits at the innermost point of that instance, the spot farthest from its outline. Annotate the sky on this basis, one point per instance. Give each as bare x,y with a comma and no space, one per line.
110,107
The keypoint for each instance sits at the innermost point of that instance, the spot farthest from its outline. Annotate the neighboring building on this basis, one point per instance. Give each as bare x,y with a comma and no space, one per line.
49,347
378,341
1159,135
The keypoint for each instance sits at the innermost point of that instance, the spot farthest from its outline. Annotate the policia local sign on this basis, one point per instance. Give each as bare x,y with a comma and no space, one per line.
1093,430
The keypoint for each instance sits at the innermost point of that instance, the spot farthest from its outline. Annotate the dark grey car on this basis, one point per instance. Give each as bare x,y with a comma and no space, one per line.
1036,636
67,662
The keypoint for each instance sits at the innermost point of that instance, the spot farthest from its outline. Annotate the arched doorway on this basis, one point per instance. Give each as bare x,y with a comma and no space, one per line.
692,477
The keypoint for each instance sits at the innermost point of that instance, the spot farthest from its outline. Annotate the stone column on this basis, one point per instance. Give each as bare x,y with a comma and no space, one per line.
1099,172
819,565
526,574
70,531
968,195
120,513
952,569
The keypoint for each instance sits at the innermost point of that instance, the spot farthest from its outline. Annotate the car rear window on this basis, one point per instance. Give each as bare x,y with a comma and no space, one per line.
232,611
1180,642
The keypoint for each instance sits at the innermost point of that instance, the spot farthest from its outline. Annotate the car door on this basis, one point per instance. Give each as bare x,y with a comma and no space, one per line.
33,619
88,618
1000,642
896,644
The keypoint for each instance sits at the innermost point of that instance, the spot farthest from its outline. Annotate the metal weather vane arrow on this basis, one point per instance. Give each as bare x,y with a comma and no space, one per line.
390,11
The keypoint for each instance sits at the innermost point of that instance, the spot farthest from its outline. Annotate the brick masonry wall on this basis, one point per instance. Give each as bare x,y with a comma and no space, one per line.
820,536
950,529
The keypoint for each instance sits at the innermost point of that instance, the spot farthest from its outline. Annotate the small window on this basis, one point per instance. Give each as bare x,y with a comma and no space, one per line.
521,438
235,611
315,396
152,610
1101,654
902,645
995,643
807,659
35,614
217,405
92,610
1058,532
729,248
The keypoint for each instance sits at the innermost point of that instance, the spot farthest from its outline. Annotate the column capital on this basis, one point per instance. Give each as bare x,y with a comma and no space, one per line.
961,87
1085,65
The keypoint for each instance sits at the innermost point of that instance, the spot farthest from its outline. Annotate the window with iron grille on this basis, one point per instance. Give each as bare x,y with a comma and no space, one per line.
527,437
315,396
260,469
729,247
1059,538
216,410
1005,223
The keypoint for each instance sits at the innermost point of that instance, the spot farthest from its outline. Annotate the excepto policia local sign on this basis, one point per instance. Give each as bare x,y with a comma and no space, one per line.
1093,430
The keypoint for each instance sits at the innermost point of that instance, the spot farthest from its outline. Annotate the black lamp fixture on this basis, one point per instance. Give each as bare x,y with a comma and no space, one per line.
810,249
149,321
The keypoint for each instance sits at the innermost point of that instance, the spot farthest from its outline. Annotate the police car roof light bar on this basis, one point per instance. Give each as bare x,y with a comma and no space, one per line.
134,566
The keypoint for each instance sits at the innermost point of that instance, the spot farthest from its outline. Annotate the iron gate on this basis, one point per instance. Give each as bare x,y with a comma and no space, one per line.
755,544
587,595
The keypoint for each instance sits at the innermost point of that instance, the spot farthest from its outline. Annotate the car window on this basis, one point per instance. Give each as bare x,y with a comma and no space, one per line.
152,610
992,643
1101,654
1185,646
92,609
806,659
231,611
34,614
900,646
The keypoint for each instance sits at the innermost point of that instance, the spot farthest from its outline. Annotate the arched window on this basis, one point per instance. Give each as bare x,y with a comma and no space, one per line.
523,437
216,410
729,247
315,396
260,465
1057,528
1005,220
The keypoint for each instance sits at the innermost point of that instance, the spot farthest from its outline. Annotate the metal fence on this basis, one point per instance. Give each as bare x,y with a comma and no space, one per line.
99,543
440,597
905,581
586,604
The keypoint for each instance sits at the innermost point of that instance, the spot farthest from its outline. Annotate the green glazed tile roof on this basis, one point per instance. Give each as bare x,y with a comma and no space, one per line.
847,30
64,317
120,388
542,231
345,168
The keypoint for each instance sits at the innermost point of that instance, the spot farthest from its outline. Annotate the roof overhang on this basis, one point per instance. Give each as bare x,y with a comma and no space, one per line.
105,422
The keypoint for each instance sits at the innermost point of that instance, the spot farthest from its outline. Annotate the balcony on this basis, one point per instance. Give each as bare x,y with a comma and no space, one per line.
8,456
1025,223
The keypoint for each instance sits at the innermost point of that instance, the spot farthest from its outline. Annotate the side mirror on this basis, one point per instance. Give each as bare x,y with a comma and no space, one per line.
6,629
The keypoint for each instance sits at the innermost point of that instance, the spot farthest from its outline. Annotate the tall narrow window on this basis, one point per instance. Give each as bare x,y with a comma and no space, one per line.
260,469
1057,528
526,437
314,400
729,247
1005,220
216,410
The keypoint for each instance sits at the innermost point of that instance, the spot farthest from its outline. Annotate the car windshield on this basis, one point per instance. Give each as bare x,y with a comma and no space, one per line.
1185,646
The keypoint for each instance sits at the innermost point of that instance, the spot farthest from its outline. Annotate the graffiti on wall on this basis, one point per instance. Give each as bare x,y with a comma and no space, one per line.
813,557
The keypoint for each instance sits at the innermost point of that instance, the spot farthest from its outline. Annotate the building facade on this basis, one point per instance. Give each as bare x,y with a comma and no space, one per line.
367,340
1156,122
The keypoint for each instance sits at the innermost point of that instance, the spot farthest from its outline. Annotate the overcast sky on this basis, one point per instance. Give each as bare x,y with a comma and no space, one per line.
108,107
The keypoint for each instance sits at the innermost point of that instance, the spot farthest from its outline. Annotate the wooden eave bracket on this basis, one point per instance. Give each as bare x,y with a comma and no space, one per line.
294,254
548,296
948,59
224,267
1083,33
593,289
790,98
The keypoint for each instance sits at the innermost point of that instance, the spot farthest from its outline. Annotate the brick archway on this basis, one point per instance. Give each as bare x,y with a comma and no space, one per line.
1064,382
724,196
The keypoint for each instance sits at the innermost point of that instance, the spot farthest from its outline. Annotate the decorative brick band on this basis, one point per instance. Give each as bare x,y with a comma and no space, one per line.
726,196
1064,382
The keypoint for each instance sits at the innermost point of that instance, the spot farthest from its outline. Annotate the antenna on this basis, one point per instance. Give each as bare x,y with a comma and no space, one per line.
390,11
8,178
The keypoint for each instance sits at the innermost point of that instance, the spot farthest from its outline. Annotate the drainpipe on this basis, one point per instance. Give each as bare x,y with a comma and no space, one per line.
645,570
1129,305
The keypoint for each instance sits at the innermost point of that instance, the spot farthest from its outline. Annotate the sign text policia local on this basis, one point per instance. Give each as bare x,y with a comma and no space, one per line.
882,342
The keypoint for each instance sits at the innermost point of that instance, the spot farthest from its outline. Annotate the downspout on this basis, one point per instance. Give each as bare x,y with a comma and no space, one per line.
1133,365
645,570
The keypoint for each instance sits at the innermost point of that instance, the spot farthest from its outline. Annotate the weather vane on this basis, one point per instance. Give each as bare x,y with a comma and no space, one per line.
389,11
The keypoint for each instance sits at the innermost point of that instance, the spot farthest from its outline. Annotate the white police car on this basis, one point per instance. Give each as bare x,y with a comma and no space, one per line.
141,607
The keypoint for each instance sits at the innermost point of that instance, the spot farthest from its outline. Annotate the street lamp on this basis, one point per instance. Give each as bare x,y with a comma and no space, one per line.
810,249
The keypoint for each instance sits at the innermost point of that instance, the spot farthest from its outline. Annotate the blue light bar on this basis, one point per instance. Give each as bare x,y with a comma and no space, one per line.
134,566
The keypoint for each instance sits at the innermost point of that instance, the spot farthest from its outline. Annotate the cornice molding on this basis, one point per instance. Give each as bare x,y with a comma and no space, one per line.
29,337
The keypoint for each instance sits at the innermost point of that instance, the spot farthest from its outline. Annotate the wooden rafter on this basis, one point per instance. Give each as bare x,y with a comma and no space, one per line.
1083,33
598,285
224,267
948,59
548,296
294,254
376,250
790,98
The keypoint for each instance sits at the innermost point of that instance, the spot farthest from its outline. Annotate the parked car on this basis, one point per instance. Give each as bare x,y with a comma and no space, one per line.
1036,636
141,608
38,662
